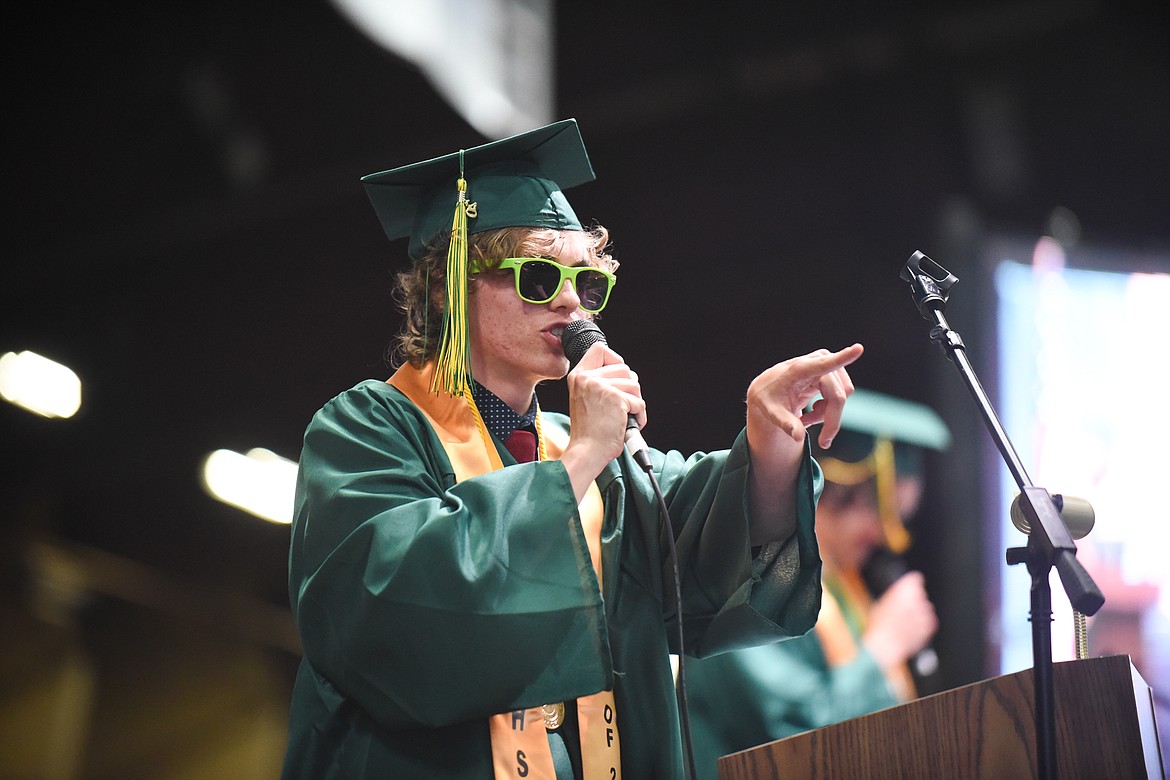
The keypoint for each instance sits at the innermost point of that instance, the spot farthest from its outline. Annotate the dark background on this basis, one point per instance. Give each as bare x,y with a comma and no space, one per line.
186,230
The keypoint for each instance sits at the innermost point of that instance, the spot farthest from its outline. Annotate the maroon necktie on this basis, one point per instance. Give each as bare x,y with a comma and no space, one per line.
522,445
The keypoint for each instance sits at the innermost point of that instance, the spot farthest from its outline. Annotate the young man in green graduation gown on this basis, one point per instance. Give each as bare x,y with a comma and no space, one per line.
875,615
483,589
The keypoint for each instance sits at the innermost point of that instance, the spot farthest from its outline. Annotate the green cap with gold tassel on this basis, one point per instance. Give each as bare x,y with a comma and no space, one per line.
512,182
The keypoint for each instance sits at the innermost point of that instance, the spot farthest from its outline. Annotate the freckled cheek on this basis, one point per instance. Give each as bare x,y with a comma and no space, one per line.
502,335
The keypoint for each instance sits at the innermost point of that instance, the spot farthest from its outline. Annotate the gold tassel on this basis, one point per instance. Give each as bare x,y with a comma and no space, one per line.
453,367
897,537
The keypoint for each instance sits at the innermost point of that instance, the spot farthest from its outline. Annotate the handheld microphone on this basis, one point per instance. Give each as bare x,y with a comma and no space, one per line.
577,338
879,573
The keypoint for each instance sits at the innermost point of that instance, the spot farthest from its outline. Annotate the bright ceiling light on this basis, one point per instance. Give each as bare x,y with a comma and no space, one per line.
492,60
40,385
259,481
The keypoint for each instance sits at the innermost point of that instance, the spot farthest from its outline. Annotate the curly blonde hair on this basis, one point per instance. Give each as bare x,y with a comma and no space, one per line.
420,291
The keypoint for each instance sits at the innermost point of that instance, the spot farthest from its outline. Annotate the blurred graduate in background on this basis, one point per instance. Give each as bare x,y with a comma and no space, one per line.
870,646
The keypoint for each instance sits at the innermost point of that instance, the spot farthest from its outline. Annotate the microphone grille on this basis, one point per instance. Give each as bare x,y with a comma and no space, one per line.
578,337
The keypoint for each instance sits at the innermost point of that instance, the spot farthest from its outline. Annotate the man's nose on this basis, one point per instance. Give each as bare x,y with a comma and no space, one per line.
567,296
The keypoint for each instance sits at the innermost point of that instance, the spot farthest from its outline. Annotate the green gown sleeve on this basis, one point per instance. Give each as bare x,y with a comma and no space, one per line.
734,596
400,578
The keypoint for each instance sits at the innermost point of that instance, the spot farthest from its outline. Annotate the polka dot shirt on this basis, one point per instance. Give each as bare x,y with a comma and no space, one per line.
499,418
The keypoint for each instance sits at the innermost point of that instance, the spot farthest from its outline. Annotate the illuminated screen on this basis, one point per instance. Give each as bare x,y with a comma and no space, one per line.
1084,394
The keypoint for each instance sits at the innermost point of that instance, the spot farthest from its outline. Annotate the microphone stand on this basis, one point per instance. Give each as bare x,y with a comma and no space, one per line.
1049,541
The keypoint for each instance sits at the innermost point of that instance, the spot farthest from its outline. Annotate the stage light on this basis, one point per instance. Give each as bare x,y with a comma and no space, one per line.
39,385
259,481
492,60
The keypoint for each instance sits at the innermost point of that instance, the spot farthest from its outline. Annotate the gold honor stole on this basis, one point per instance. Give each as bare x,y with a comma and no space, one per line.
845,593
520,746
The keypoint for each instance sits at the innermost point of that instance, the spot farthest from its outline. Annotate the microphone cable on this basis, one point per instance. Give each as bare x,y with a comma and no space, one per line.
577,337
681,683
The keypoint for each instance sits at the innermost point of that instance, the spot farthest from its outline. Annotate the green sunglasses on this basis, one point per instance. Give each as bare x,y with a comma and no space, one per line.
539,280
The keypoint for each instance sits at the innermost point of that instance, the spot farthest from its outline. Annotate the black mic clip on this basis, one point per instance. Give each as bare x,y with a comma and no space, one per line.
930,286
930,283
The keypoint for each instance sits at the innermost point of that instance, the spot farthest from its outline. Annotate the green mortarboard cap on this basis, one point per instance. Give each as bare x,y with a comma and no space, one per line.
895,419
869,416
514,182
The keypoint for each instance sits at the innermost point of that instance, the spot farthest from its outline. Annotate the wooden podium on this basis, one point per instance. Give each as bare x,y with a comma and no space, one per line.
1105,728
